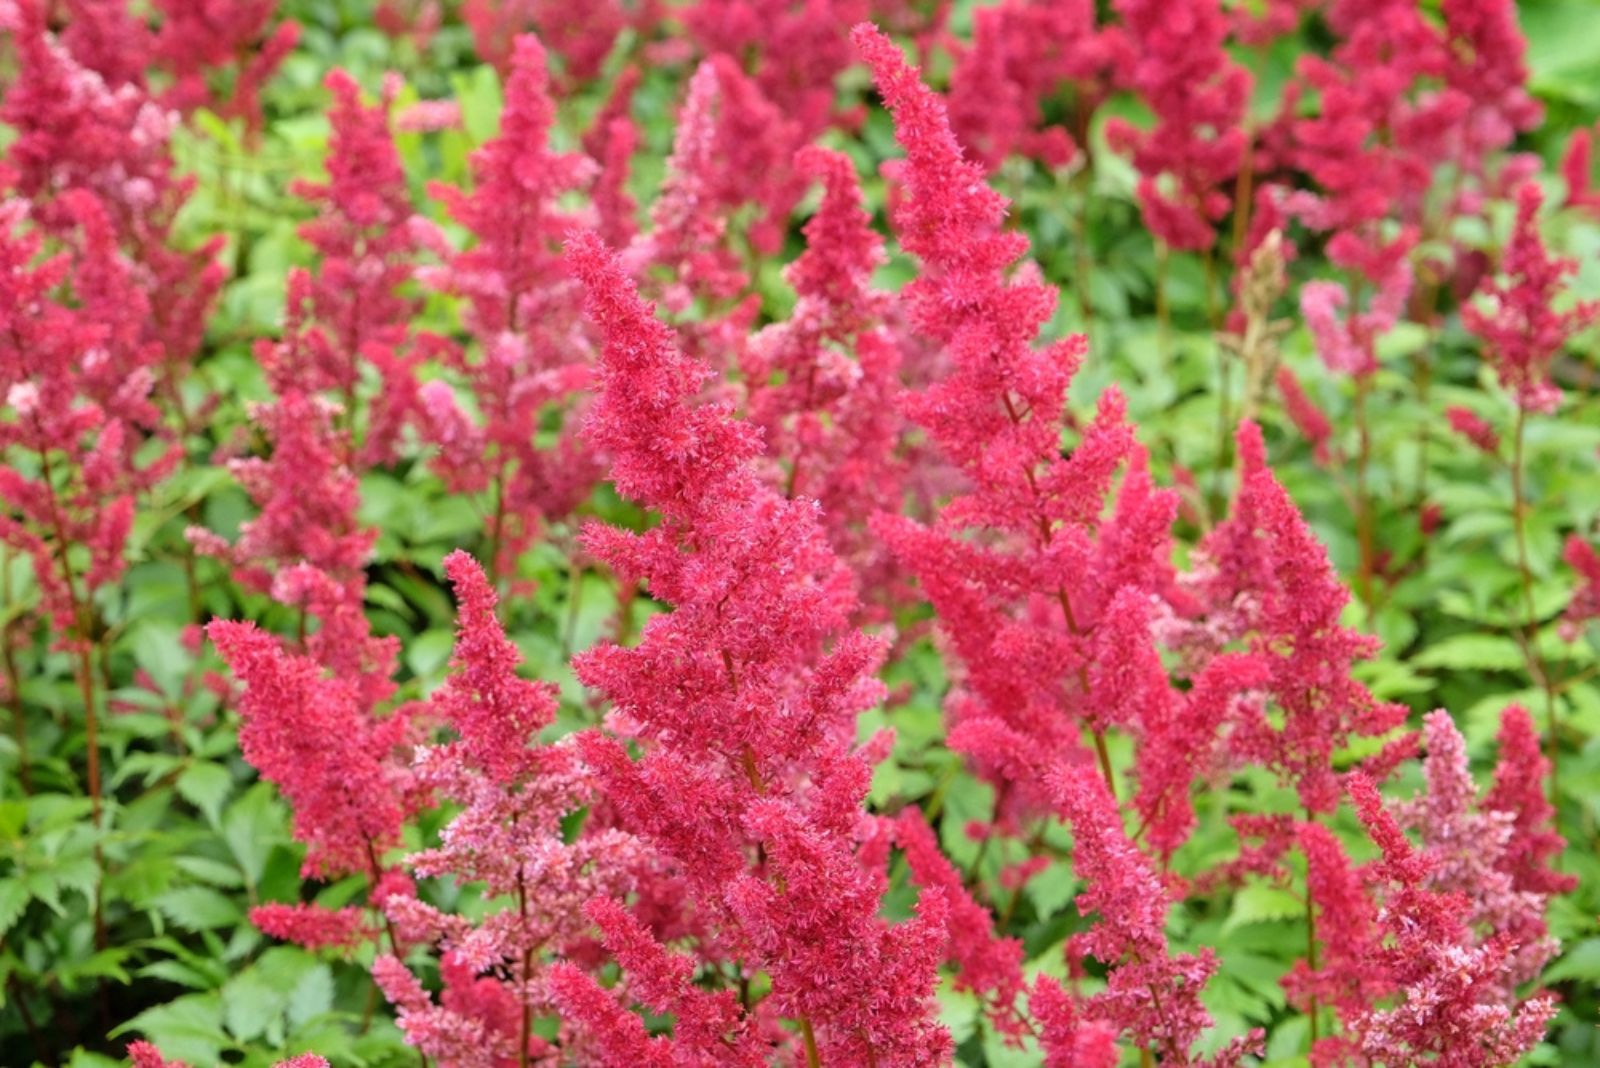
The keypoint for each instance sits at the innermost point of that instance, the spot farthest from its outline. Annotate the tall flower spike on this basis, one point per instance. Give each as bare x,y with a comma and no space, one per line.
508,835
745,715
831,421
1150,994
1519,792
1199,96
312,737
1524,333
1266,579
1032,583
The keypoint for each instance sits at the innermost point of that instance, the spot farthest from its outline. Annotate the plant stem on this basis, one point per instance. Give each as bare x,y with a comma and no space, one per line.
1311,943
810,1038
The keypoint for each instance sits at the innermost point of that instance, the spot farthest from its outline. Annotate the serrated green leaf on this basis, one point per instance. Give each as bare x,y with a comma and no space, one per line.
206,786
1259,903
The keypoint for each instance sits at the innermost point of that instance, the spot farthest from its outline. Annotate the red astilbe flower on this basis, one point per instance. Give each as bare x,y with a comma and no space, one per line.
1308,418
525,315
792,50
1524,333
145,1055
1373,144
1023,53
1265,578
1066,1038
306,499
1474,428
1350,347
1576,167
1585,602
611,140
582,35
1022,603
1199,96
743,699
366,238
508,836
989,966
198,39
707,1027
314,737
687,239
830,421
1519,792
74,413
76,134
732,154
1467,846
1151,995
1454,1004
313,926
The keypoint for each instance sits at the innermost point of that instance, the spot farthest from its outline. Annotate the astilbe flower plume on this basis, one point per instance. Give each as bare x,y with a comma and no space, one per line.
530,354
197,39
1585,602
1263,577
1524,332
1454,1004
1023,53
1474,428
1468,842
333,758
508,835
1308,418
582,35
1151,994
69,428
830,421
352,312
1047,587
78,135
743,700
732,156
1199,95
1372,144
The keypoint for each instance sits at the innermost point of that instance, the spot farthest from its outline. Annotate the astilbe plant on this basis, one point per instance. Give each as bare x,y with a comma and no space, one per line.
350,319
530,353
507,837
1198,94
830,420
742,700
1424,951
1023,54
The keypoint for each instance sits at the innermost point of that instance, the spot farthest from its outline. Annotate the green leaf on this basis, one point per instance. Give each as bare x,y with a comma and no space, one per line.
1472,652
251,827
14,898
1259,903
206,786
199,908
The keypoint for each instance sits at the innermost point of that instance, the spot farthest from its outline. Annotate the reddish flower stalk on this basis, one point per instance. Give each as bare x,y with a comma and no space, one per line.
524,313
1199,95
830,421
1048,605
1525,332
1265,578
743,701
508,836
1023,53
356,317
1151,995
